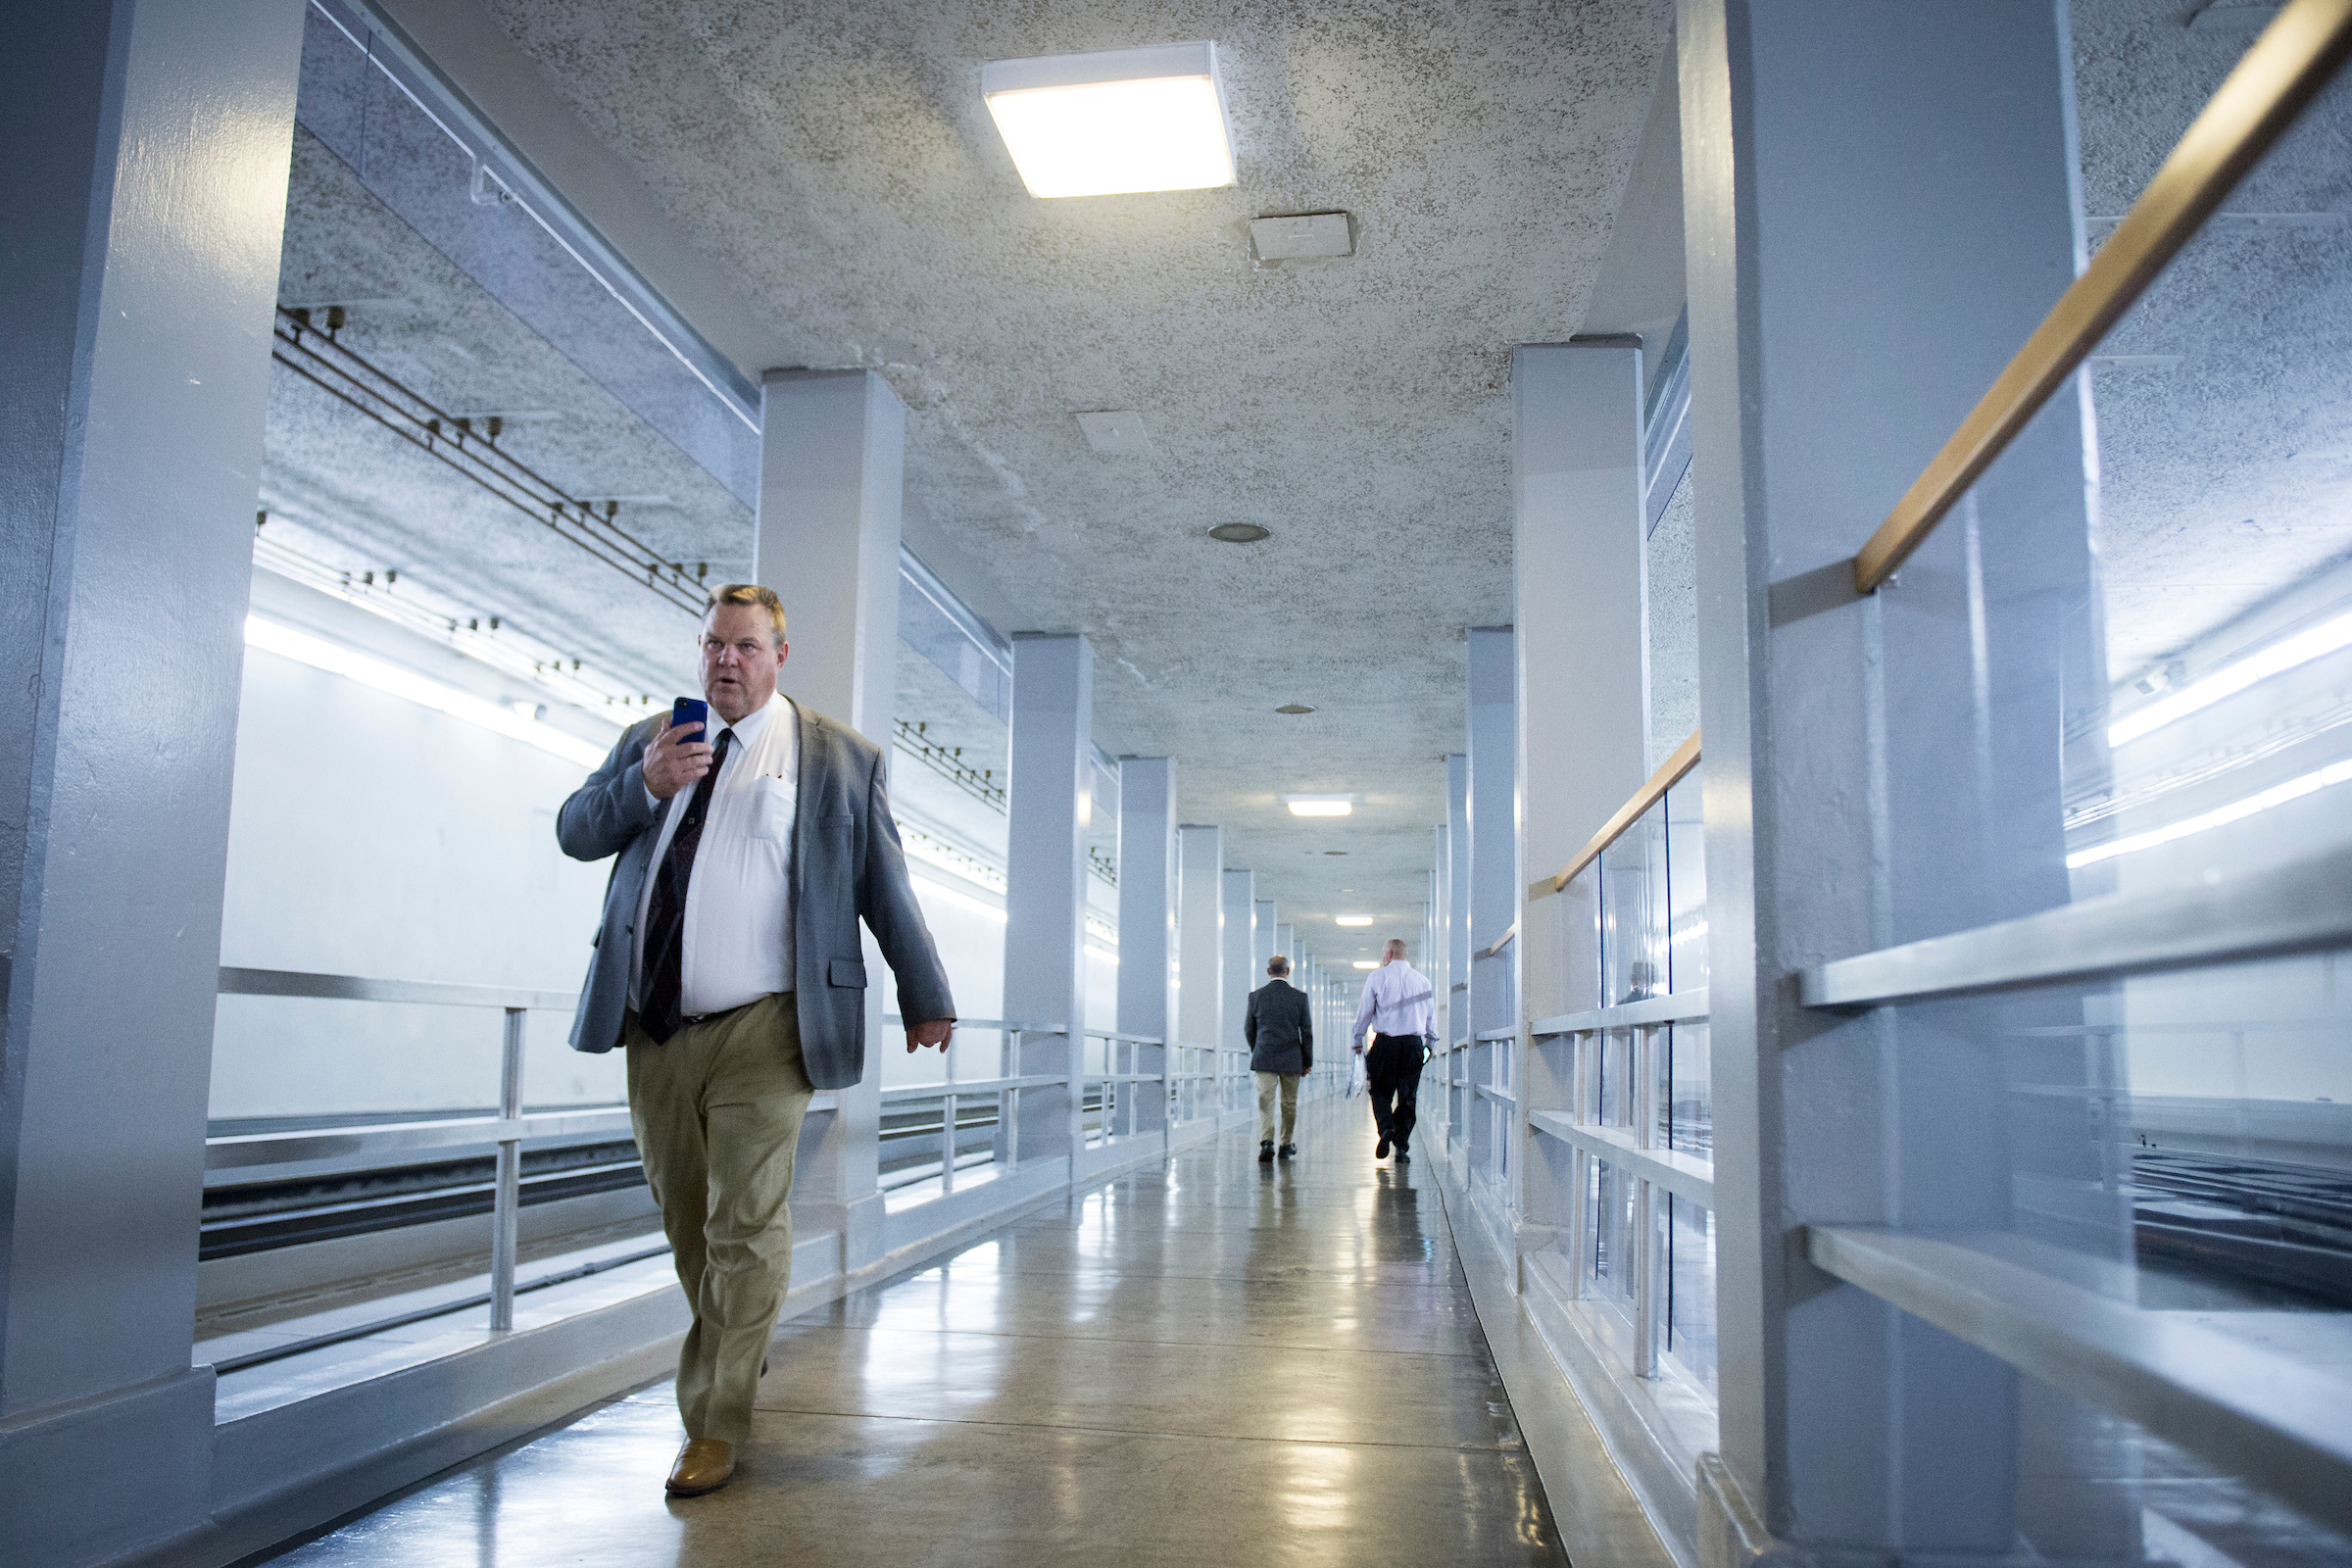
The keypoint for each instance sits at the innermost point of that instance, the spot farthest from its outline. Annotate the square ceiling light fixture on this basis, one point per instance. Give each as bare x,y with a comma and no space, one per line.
1319,805
1111,123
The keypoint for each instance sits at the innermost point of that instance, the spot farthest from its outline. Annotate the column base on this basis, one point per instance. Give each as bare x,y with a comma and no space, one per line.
97,1480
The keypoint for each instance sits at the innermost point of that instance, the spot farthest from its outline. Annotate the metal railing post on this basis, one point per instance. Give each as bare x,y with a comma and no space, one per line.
1644,1100
1012,1103
508,1198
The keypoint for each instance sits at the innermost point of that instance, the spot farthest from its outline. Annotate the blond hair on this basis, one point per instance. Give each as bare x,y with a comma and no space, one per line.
751,593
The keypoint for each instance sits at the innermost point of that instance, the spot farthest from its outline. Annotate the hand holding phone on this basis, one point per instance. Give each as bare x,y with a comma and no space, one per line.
679,756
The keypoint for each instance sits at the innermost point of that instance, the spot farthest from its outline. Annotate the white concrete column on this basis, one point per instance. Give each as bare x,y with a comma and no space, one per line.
1148,880
1457,896
1200,934
1493,901
832,476
1052,801
1886,769
1286,943
1240,947
1582,696
832,457
1576,540
145,191
1264,942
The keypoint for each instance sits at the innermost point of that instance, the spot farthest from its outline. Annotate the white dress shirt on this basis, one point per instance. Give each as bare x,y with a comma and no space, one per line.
1397,1001
737,943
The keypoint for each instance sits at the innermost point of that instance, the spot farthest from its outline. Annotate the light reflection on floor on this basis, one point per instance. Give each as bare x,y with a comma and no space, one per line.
1210,1362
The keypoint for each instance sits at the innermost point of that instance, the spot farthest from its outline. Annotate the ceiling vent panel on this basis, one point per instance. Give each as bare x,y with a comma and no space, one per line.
1119,434
1308,236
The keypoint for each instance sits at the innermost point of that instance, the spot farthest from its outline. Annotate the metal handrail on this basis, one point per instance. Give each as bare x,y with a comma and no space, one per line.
2297,907
1498,943
2287,66
361,988
508,1129
1676,767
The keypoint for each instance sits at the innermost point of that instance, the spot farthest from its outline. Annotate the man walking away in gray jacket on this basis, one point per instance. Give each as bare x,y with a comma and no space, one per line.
1282,1050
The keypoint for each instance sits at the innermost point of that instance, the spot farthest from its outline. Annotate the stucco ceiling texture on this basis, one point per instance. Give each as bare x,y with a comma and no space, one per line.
2225,419
840,161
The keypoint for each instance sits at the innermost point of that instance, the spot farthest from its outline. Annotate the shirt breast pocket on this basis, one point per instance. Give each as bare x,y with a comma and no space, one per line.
773,803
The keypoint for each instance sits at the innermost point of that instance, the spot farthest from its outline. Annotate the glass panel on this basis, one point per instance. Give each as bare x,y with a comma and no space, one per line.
1686,1101
1688,1315
1633,911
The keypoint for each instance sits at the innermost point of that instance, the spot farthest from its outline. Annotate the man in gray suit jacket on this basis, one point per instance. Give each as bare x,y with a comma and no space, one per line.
1281,1035
728,964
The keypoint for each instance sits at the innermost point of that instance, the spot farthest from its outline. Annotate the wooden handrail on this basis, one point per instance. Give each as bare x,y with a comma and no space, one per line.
2284,70
1684,760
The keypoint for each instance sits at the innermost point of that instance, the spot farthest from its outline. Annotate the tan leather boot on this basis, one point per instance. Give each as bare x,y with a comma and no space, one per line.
705,1464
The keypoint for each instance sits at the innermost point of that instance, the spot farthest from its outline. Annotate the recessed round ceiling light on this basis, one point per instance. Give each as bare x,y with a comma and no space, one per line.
1240,533
1293,708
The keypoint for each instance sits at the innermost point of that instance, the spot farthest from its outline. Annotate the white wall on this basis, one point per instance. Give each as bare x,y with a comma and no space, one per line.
370,836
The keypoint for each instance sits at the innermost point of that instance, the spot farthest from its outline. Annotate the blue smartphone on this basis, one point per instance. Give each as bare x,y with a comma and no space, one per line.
691,710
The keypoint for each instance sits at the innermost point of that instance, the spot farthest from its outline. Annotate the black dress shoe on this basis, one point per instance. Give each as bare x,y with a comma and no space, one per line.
1265,1151
1402,1153
1287,1150
1382,1152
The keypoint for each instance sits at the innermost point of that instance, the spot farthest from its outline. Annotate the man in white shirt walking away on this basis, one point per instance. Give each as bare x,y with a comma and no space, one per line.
1396,1007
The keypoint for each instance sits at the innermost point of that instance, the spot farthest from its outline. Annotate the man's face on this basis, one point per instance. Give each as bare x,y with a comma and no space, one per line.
740,656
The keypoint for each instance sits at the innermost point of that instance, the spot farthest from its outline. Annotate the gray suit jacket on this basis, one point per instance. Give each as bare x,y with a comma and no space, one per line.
1280,1029
846,864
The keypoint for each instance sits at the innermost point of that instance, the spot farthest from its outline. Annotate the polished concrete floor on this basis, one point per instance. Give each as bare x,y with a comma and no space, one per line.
1210,1361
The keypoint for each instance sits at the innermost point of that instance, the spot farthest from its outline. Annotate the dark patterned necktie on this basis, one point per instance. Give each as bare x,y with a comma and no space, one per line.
666,915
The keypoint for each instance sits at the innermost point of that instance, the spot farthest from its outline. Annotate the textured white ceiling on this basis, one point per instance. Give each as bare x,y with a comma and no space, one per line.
2226,429
839,162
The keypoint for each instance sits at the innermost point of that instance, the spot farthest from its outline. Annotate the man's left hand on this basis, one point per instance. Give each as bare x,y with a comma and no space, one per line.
937,1032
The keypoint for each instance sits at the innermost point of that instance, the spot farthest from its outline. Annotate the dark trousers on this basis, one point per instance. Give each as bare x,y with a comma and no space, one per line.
1393,1074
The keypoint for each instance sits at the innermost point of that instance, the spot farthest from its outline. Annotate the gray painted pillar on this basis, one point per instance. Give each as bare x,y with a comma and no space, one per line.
1457,898
145,191
1240,945
1263,943
832,460
1457,958
1045,878
1201,938
1147,877
1582,709
1577,537
1494,893
1870,777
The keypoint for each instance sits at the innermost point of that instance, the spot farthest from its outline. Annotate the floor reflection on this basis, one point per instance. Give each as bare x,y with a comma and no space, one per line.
1214,1361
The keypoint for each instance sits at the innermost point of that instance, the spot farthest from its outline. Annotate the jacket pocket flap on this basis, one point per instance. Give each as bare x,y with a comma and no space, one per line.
850,972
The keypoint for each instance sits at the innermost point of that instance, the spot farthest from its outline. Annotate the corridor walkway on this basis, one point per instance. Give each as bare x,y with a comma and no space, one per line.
1213,1362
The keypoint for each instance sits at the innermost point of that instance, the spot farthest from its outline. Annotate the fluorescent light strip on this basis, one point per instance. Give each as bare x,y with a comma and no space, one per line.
2237,811
2278,657
335,659
956,895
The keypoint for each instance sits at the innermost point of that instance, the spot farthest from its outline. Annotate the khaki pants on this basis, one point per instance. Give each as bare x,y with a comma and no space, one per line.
1269,1084
718,1111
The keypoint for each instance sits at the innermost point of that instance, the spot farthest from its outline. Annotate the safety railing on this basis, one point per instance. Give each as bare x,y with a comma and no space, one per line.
507,1129
2275,1419
1626,1088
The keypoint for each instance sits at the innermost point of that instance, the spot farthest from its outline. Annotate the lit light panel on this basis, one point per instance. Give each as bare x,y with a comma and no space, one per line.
336,659
1319,805
1350,920
1113,123
2228,681
1366,964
